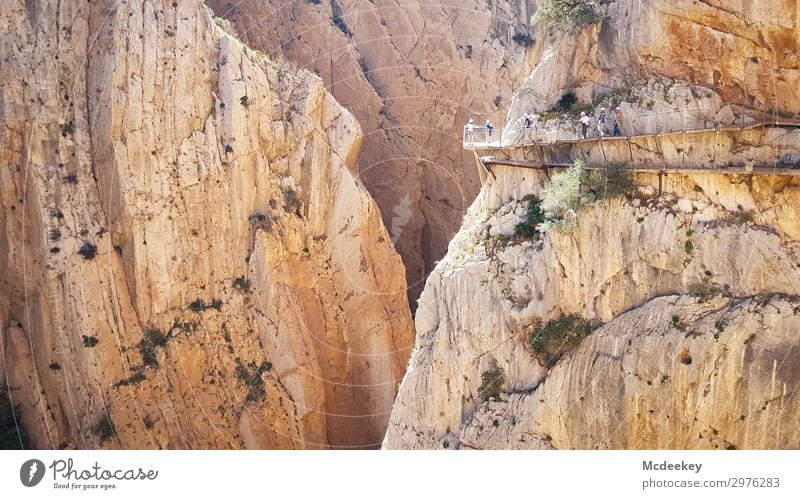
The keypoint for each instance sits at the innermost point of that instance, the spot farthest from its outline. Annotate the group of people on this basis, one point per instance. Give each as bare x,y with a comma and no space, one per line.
602,120
606,123
489,127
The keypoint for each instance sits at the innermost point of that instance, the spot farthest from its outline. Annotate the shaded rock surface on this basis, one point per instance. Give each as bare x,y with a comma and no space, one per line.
412,74
183,242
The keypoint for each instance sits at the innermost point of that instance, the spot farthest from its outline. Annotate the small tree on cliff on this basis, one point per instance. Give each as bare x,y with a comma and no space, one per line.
566,15
563,197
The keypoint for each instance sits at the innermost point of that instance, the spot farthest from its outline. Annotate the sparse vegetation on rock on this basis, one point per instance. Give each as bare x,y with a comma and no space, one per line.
90,341
492,382
575,188
566,15
88,251
104,428
151,340
252,376
550,341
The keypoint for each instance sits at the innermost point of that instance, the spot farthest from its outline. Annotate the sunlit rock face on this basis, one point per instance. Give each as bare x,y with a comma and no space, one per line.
412,74
746,52
694,297
186,257
690,285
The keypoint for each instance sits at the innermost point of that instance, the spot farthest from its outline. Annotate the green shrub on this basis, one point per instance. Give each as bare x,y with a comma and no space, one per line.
523,39
244,101
575,188
241,284
260,221
704,289
225,25
565,102
291,202
549,342
688,246
611,182
199,305
528,228
104,428
67,128
492,382
742,217
251,375
134,379
90,341
565,15
152,339
678,323
88,251
12,434
563,197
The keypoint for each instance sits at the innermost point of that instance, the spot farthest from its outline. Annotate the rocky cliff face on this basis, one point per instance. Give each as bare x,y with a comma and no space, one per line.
412,74
696,295
187,259
747,52
690,286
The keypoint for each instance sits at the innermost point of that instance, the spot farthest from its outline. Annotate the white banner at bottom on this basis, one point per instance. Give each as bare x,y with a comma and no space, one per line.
353,474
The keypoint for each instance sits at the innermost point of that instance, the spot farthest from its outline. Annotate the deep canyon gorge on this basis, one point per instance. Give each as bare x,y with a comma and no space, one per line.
254,224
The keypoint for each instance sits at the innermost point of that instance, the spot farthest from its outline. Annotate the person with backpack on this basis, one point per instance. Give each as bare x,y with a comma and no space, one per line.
617,122
489,131
601,122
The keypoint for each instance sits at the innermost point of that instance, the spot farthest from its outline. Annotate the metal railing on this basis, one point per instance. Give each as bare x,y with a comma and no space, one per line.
480,136
645,124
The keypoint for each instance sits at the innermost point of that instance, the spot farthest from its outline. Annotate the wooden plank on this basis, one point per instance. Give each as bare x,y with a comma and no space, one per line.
535,165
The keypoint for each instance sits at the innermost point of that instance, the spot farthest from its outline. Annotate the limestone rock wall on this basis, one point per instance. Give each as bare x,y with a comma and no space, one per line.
412,74
747,52
186,257
713,241
722,378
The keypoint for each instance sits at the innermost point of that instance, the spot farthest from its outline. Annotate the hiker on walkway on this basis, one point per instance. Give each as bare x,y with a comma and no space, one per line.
470,131
601,122
617,122
489,130
584,123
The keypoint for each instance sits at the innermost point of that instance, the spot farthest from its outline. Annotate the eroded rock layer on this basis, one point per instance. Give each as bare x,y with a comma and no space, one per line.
690,285
187,259
725,248
412,73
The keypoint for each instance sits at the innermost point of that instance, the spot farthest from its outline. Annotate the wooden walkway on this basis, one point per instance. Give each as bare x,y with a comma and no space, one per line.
486,164
497,144
535,165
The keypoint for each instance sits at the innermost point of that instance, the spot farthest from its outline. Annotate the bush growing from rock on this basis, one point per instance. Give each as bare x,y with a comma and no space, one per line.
492,382
566,15
550,341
